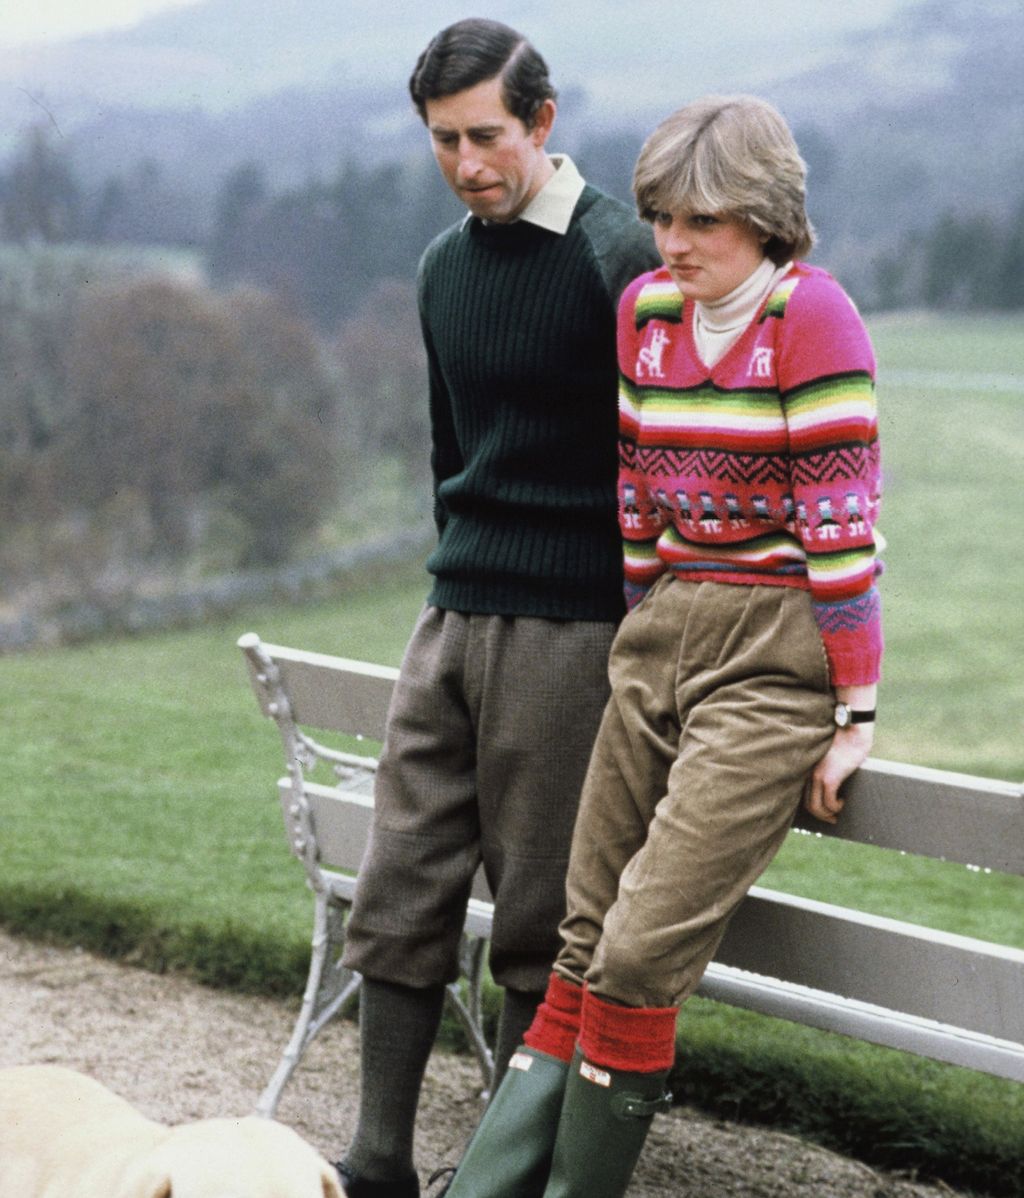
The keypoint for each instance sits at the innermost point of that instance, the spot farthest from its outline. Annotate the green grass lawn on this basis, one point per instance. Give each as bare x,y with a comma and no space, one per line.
138,813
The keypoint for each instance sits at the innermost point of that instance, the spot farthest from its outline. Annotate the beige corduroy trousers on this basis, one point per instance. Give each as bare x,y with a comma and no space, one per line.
721,706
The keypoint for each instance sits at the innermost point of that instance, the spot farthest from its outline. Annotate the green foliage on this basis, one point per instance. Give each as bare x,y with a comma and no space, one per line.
230,954
141,412
328,242
40,199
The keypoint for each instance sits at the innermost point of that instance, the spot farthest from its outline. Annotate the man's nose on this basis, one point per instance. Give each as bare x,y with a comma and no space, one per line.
469,161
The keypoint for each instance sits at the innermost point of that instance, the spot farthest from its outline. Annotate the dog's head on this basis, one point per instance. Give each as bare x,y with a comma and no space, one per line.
233,1158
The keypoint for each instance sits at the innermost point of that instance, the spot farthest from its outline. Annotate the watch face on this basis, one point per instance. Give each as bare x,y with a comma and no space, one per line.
842,715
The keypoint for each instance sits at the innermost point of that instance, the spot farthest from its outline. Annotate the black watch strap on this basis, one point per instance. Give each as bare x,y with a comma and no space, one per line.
846,715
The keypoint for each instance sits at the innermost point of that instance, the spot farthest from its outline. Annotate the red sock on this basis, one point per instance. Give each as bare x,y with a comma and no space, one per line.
557,1022
634,1039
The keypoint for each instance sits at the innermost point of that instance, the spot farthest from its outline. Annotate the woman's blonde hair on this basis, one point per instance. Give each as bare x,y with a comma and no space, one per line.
731,155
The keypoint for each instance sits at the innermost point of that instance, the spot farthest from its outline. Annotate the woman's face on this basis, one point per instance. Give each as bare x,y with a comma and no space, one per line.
707,254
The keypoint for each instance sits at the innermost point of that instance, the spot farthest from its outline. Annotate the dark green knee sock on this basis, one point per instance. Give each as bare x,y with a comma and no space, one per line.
397,1029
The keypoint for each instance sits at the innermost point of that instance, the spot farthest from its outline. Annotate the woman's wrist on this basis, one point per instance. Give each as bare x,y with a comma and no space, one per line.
856,707
862,698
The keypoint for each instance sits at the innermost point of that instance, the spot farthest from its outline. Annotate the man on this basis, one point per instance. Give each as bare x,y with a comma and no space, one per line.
504,679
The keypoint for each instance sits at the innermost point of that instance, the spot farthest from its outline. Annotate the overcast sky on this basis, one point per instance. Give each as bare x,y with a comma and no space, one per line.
50,20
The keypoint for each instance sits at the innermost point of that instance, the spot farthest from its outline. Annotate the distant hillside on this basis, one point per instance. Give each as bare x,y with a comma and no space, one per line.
920,114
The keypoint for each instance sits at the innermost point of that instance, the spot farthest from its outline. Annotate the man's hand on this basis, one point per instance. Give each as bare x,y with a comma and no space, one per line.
850,746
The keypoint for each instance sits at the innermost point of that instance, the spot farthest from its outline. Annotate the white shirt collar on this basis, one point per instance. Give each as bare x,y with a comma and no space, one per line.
552,207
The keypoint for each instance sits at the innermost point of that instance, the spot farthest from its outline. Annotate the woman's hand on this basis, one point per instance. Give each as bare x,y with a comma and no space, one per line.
847,752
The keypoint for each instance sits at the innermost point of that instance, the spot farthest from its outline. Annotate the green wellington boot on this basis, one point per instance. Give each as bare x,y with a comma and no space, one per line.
606,1115
509,1155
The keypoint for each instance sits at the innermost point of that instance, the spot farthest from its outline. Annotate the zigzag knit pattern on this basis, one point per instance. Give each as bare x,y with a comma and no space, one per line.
763,469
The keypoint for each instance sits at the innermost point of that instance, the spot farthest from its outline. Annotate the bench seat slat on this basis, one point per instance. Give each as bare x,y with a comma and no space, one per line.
931,974
863,1021
342,826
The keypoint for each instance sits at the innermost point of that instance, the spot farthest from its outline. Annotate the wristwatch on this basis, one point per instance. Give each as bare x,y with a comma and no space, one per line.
845,715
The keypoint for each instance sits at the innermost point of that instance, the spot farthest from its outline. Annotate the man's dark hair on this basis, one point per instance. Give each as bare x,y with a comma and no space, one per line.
473,51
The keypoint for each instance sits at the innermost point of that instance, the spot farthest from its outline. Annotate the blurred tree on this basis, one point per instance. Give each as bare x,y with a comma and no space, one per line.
383,373
242,195
323,246
147,363
897,279
41,200
110,216
1010,281
189,400
276,455
39,289
607,160
143,207
961,262
818,151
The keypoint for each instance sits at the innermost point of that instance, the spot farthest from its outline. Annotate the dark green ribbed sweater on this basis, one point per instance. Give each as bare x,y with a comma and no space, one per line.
519,327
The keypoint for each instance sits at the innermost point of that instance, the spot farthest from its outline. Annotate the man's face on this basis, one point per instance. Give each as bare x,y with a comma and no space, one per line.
493,163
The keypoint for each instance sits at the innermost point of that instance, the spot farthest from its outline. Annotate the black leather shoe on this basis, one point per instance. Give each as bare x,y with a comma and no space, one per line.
365,1187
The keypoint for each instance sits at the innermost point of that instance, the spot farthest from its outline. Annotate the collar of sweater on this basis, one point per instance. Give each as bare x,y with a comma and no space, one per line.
718,325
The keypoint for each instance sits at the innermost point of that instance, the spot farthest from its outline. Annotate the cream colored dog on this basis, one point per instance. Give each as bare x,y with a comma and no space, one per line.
63,1135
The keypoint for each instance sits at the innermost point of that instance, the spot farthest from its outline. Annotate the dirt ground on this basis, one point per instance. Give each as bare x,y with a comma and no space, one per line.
180,1051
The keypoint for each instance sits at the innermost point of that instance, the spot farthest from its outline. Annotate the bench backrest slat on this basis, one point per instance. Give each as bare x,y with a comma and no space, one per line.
931,813
335,694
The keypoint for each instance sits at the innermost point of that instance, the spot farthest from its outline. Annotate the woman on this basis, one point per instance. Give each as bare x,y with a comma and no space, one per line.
744,675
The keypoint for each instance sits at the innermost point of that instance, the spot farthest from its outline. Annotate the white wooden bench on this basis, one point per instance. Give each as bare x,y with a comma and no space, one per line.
948,997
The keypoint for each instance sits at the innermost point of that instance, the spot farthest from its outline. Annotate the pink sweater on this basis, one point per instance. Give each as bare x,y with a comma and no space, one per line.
762,469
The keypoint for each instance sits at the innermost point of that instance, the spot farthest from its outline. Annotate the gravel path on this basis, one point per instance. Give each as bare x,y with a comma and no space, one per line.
180,1051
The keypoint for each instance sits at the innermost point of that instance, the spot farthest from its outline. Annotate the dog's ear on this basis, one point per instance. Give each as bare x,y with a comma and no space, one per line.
157,1189
332,1186
148,1182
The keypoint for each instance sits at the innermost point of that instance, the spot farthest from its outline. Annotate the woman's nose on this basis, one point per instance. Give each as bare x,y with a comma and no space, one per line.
676,239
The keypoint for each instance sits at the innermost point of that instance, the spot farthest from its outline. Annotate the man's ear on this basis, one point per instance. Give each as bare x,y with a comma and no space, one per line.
543,120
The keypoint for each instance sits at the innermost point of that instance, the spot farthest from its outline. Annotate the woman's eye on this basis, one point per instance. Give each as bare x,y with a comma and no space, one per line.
703,220
663,219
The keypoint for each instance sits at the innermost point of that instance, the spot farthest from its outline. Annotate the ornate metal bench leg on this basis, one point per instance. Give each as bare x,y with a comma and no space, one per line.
469,1012
329,988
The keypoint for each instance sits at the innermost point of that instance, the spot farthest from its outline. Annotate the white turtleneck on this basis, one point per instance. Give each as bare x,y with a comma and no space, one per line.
717,326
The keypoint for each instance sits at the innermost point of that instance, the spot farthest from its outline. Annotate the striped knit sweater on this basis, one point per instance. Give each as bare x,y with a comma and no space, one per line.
762,469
